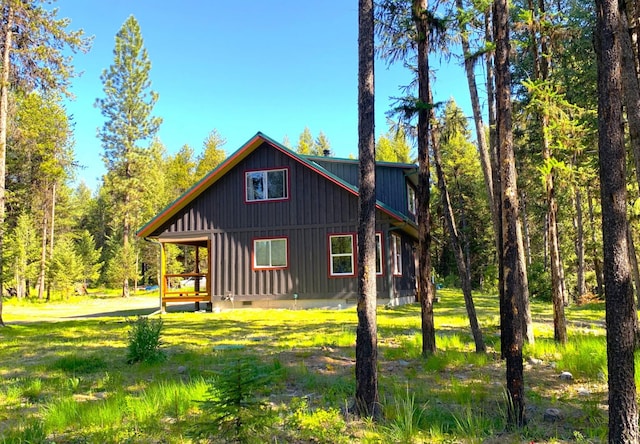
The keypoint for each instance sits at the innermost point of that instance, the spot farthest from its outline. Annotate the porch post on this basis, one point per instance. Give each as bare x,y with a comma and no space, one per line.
163,280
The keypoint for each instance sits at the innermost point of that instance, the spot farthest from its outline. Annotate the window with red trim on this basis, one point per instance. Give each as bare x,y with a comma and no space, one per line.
396,251
270,253
378,254
267,185
341,255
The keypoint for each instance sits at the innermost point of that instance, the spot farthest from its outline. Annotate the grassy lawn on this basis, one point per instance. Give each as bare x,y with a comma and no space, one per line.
291,374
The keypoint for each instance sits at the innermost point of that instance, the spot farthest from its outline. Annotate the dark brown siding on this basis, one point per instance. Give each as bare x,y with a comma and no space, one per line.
391,182
316,208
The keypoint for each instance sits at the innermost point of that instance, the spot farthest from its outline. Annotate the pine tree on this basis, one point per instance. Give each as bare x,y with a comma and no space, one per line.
367,397
34,41
127,107
212,154
306,145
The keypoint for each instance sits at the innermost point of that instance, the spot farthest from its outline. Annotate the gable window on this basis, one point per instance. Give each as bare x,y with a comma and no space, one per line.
341,255
396,251
411,200
270,253
267,185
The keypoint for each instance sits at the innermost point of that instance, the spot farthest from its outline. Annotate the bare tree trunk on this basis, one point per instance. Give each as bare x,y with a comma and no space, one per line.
512,322
525,227
631,92
483,146
7,31
620,313
581,285
51,234
43,255
367,398
425,289
463,269
633,262
597,264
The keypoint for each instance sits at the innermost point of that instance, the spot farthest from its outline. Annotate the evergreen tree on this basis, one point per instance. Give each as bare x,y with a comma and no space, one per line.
367,397
88,258
322,146
212,154
21,254
179,172
393,146
127,107
65,269
34,41
621,314
306,144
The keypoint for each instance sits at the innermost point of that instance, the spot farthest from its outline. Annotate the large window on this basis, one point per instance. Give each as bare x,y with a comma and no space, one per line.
270,253
411,200
396,251
341,255
267,185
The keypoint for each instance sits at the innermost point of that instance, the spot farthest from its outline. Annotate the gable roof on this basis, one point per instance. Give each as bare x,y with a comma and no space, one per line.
234,159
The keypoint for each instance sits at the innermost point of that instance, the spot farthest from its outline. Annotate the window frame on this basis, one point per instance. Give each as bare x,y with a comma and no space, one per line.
331,255
412,203
379,254
379,259
265,174
256,267
396,254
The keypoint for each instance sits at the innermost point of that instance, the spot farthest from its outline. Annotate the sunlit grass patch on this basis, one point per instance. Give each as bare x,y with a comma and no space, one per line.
454,395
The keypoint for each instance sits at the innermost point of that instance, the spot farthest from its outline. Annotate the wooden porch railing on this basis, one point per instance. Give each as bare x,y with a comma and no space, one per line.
172,292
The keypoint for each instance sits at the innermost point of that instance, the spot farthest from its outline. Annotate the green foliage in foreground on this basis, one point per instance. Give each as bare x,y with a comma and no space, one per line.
287,376
145,341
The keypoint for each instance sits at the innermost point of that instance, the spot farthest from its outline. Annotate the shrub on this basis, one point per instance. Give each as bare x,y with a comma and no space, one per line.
144,341
539,282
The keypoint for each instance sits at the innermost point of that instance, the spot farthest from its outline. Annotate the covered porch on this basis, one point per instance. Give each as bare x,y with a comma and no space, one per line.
192,283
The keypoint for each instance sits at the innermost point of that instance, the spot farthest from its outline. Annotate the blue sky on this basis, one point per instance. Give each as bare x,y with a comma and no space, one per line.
238,67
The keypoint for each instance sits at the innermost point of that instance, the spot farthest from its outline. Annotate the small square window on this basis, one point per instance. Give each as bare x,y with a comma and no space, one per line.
270,253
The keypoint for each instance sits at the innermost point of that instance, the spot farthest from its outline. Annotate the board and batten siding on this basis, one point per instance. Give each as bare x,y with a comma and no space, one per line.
315,208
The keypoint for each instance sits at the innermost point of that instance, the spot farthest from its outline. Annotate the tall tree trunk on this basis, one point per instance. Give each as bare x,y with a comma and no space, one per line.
633,261
43,254
51,234
367,398
463,270
425,289
631,90
483,146
512,322
525,227
597,264
620,315
581,284
7,31
541,64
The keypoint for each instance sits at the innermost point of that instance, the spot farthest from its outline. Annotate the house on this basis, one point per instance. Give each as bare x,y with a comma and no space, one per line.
279,229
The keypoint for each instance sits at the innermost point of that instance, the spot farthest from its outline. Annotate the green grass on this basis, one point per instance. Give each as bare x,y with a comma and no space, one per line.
69,381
